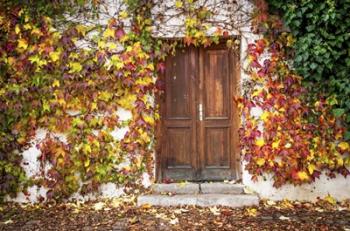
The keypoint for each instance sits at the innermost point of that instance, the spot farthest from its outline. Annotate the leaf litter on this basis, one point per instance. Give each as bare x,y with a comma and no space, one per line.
123,214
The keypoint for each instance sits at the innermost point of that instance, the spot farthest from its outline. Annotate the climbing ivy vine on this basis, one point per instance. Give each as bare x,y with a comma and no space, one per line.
64,72
301,137
49,81
71,77
322,48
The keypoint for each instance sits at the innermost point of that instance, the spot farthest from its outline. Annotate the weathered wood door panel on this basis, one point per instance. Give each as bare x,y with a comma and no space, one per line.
215,129
199,130
179,117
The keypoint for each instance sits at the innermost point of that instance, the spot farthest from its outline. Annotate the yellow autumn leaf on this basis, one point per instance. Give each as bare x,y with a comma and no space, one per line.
127,101
117,62
156,116
290,40
138,161
81,29
128,48
109,33
60,161
99,206
343,146
140,54
260,162
260,142
347,162
75,67
251,212
146,206
36,31
123,14
86,148
340,161
178,4
45,106
286,204
215,211
11,60
303,175
311,168
127,168
22,44
111,46
93,106
276,144
256,92
61,102
264,116
17,29
87,163
37,59
144,81
101,44
105,96
144,136
21,12
54,56
149,119
330,199
21,140
199,34
150,66
190,22
27,26
56,83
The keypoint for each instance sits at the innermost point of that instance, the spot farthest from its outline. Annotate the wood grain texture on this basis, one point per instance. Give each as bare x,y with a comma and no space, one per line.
190,148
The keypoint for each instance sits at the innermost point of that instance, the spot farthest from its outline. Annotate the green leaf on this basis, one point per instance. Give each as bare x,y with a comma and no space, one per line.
347,135
338,112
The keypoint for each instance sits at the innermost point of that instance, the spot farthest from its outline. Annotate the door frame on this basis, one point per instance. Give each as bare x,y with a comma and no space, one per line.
236,120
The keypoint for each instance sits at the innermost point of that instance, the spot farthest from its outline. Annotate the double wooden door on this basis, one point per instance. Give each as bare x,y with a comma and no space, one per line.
199,132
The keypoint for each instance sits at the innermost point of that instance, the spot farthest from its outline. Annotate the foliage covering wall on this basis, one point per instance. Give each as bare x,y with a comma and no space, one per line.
72,76
46,75
303,134
322,48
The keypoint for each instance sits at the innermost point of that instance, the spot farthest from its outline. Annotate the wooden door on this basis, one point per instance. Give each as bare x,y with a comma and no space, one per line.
199,121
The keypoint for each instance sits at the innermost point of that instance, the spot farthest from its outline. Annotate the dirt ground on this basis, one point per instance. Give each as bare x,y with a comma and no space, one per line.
122,214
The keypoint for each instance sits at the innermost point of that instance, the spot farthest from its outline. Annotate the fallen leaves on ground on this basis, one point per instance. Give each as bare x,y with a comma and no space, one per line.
122,214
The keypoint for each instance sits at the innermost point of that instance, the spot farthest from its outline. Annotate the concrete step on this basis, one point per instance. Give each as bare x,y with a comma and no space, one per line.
176,188
221,188
205,200
197,188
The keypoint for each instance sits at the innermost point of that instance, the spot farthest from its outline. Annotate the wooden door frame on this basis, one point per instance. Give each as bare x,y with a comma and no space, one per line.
236,120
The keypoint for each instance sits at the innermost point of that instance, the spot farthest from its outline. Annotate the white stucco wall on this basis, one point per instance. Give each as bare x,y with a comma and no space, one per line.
339,187
31,165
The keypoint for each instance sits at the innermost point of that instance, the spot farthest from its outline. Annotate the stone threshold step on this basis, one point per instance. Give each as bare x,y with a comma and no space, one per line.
198,188
204,200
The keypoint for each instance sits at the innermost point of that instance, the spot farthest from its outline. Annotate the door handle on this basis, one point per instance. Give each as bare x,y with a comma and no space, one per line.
200,109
